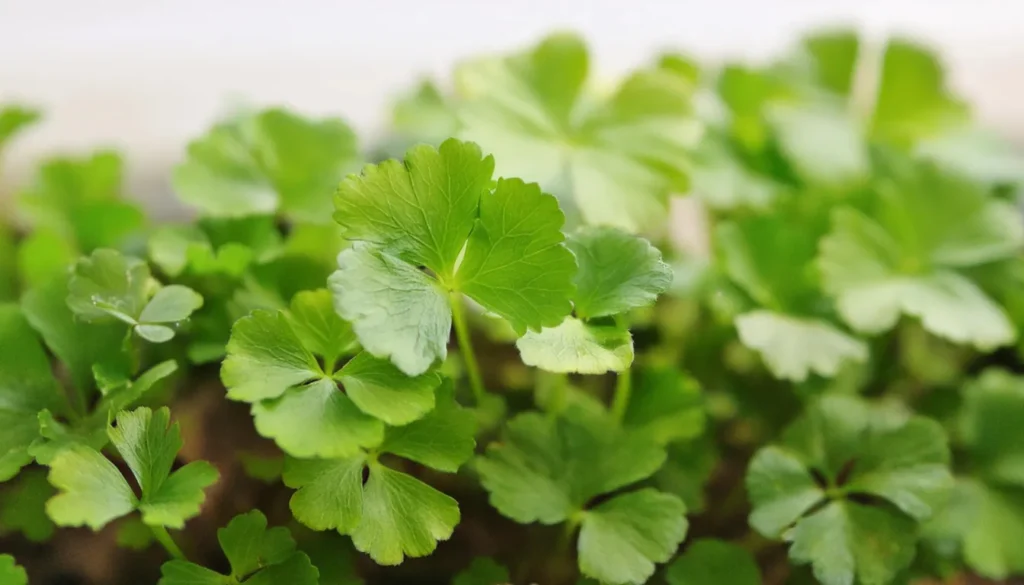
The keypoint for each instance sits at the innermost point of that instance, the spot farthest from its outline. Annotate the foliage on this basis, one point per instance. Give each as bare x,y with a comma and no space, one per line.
492,348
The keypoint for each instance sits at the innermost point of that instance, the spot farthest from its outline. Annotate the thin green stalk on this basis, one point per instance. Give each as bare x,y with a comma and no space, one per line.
476,382
623,389
164,538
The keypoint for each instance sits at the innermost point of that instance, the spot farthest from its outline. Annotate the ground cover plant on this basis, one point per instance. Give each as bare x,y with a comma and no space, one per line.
482,351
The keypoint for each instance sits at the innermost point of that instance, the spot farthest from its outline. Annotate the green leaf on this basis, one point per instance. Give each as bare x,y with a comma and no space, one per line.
900,464
976,153
267,162
929,227
991,525
402,516
793,348
545,470
14,119
577,346
171,304
43,256
780,489
617,272
713,562
615,160
55,436
11,573
108,285
912,101
78,345
396,311
255,553
27,386
271,363
93,492
134,534
834,56
825,144
666,406
482,571
329,491
622,539
443,439
993,407
424,212
423,115
845,541
22,508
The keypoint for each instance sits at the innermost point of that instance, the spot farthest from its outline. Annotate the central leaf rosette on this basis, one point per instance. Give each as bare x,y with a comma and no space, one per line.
437,226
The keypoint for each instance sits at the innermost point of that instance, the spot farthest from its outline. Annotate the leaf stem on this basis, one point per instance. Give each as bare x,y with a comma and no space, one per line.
623,380
164,538
476,382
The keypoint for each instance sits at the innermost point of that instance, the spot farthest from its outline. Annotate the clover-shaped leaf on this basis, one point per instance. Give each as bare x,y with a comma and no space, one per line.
809,489
109,286
268,162
255,554
615,161
27,386
617,272
767,257
503,248
908,258
92,492
390,515
549,471
315,408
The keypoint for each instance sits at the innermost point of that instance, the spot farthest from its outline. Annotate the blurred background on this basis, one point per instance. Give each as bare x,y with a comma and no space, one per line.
144,77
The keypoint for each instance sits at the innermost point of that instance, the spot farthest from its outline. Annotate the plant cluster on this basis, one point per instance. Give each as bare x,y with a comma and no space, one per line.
493,334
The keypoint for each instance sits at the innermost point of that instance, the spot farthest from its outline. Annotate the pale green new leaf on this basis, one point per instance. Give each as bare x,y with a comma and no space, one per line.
794,348
267,162
615,160
578,346
622,539
27,386
108,285
825,144
92,492
617,272
437,210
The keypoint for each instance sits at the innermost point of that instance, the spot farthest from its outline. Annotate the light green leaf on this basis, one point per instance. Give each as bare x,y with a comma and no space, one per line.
329,491
11,573
171,304
55,436
92,491
994,524
834,55
713,562
577,346
256,555
622,539
615,160
912,101
42,256
267,162
516,264
319,328
443,439
666,406
381,390
108,285
543,470
482,571
265,358
396,311
846,542
317,420
781,490
617,272
77,344
423,116
27,386
402,516
427,212
993,408
14,118
982,155
794,348
825,144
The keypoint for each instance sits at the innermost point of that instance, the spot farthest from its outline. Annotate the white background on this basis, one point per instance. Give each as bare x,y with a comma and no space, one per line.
144,76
